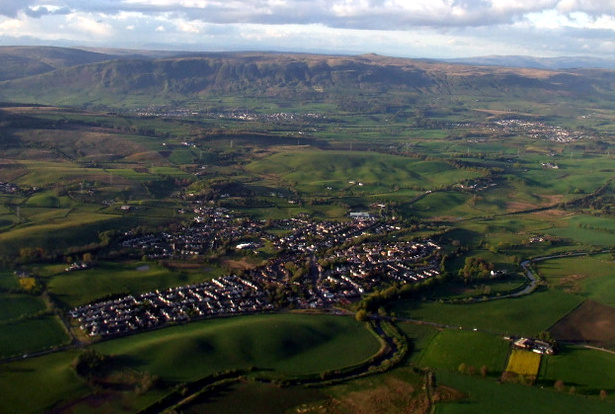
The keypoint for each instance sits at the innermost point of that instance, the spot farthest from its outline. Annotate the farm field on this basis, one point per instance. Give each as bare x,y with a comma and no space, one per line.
31,335
489,396
588,370
589,276
592,323
308,344
449,349
522,362
506,316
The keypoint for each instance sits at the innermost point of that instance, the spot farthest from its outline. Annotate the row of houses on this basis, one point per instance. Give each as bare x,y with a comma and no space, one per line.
223,296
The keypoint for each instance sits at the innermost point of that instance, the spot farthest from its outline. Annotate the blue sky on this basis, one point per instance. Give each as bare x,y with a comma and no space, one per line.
407,28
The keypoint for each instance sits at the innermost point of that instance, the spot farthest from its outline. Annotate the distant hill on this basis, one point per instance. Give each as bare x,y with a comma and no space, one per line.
556,63
77,77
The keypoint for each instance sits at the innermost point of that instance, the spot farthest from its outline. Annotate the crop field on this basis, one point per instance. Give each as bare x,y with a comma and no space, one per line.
106,278
526,315
450,348
592,323
524,363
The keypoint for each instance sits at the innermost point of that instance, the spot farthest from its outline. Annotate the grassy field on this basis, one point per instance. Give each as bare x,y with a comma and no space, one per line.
14,306
31,335
355,172
527,315
451,348
589,276
588,370
489,396
290,343
38,384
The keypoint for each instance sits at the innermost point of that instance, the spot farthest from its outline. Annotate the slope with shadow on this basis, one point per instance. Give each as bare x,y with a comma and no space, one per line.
141,81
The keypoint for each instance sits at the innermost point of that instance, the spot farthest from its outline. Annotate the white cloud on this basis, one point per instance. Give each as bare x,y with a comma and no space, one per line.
398,27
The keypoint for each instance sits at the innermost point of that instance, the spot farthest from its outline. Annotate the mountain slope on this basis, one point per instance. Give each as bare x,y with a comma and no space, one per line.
142,81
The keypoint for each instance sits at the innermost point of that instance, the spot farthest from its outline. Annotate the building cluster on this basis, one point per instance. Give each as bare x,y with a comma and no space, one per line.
8,188
319,264
361,268
539,130
223,296
307,236
212,229
534,345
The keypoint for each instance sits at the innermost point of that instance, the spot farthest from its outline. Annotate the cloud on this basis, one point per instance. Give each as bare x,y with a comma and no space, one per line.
41,11
397,27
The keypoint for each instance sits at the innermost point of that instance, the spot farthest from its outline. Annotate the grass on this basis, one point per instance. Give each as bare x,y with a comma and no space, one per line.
589,276
489,396
13,306
255,398
451,348
525,315
289,343
420,337
31,335
38,384
587,370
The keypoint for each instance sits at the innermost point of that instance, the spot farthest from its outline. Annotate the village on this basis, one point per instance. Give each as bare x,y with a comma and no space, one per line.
318,266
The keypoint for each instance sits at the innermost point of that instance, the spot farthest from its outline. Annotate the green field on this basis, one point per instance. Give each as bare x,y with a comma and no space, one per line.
588,370
14,306
489,396
451,348
289,343
31,335
527,315
589,276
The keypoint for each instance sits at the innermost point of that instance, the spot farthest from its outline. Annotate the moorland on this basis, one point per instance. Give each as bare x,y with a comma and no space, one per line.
303,233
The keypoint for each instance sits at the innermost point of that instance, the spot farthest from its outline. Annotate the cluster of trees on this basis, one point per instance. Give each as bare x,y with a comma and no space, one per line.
475,268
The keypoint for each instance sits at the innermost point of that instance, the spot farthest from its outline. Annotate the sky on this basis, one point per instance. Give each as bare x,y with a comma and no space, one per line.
404,28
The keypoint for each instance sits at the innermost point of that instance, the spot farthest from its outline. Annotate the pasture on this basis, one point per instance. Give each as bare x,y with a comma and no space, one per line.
450,348
588,370
526,315
16,306
589,276
489,396
31,335
287,343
